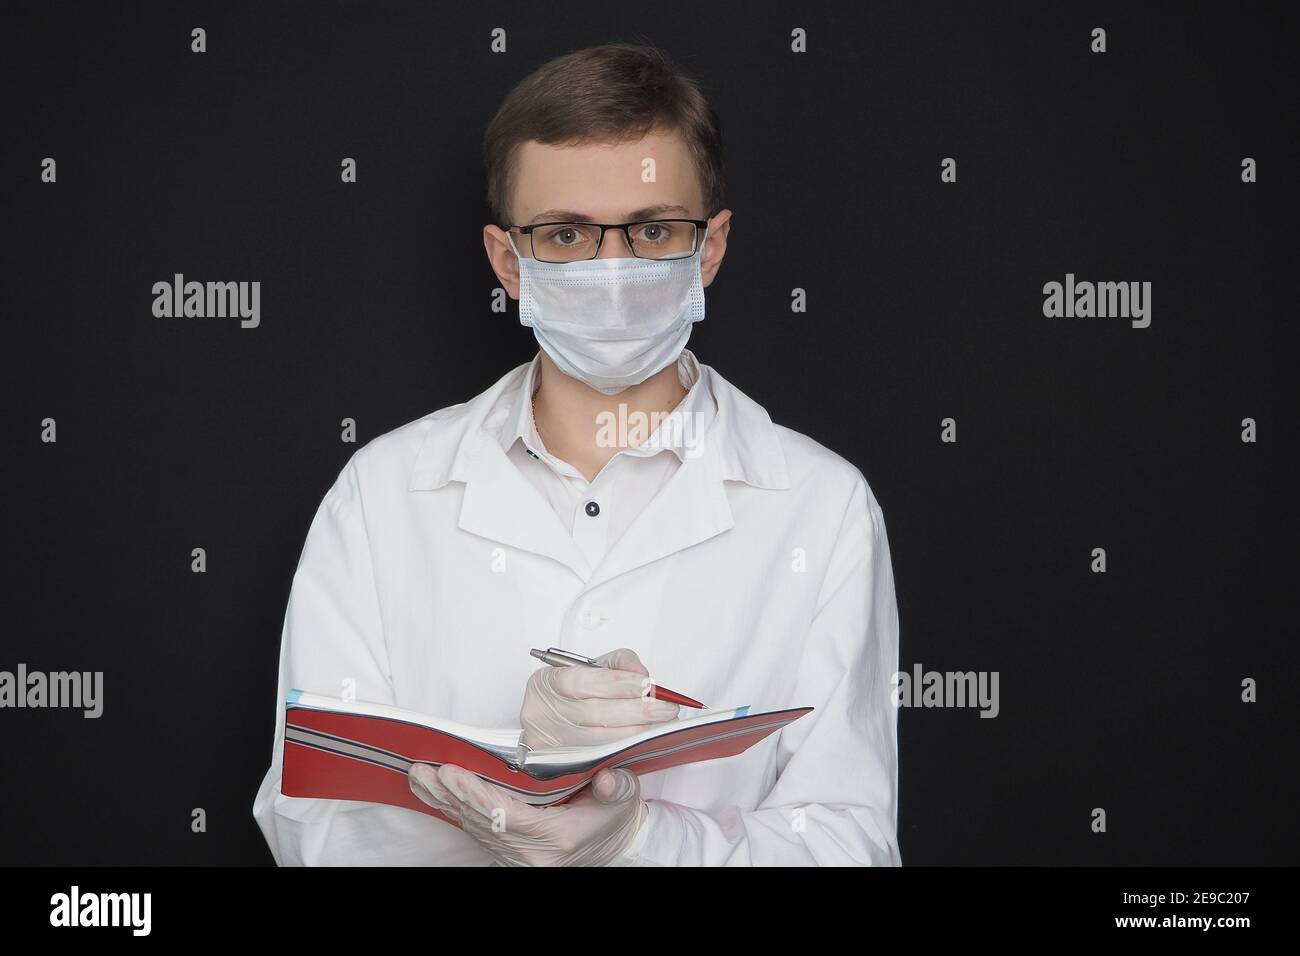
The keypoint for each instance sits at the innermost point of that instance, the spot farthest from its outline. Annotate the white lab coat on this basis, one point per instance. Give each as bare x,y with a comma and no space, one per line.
760,575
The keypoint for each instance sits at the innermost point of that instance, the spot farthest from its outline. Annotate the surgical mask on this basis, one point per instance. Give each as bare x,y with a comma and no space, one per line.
611,323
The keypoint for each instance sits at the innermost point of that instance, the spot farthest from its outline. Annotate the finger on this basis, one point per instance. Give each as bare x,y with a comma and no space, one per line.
625,714
483,798
601,713
622,659
581,683
615,786
459,784
420,788
428,775
424,784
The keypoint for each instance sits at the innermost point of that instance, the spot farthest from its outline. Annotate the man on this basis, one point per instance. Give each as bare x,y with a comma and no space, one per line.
710,551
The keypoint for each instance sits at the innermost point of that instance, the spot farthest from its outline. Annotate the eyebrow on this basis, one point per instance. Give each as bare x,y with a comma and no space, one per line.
638,215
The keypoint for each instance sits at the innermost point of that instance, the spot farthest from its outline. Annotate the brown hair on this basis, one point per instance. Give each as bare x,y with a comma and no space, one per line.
611,93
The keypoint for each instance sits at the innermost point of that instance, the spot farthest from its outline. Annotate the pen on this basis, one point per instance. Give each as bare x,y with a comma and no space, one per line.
561,658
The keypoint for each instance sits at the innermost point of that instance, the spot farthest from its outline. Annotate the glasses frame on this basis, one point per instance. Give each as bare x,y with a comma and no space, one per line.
626,228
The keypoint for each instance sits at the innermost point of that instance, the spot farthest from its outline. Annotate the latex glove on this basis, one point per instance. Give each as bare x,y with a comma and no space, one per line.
591,829
573,706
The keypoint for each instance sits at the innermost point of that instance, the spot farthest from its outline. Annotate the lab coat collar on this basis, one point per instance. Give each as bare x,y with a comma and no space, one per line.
462,444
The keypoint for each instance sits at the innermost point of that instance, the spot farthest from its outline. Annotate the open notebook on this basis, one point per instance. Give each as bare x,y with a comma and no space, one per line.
338,750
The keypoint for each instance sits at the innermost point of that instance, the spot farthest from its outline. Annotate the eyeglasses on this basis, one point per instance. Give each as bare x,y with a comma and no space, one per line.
648,239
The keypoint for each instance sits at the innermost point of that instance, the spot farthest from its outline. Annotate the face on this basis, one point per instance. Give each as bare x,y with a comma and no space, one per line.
603,183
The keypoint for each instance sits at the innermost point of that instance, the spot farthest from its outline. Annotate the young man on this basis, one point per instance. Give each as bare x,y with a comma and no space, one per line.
711,551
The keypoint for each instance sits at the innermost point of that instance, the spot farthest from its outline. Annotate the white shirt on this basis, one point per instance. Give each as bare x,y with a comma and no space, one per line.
597,513
758,574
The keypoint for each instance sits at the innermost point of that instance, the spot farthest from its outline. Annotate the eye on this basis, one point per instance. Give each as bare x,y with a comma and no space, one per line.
653,233
569,234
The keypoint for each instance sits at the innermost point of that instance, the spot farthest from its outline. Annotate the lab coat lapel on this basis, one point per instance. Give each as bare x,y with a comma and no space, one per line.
501,504
498,503
741,445
691,507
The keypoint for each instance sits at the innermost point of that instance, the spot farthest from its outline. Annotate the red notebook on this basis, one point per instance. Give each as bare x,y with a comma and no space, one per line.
338,750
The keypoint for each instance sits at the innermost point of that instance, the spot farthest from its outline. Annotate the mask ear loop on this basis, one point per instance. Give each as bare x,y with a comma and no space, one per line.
699,253
510,238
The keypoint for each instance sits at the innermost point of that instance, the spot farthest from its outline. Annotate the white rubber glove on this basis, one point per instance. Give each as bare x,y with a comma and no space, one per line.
592,829
574,706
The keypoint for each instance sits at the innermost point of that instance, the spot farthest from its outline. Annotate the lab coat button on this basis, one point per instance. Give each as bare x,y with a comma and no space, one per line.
589,618
593,509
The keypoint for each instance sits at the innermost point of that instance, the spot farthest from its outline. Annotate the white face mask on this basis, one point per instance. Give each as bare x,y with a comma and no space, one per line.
611,323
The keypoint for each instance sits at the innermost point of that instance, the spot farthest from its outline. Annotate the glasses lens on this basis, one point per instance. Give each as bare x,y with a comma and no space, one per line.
665,239
565,242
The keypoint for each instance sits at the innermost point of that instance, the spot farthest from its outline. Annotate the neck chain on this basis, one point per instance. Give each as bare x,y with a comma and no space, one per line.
536,423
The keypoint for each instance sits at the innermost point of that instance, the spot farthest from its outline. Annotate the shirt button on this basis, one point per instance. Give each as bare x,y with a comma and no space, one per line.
593,509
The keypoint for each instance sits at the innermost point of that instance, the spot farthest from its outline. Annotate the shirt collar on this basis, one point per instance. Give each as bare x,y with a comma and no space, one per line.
452,443
677,432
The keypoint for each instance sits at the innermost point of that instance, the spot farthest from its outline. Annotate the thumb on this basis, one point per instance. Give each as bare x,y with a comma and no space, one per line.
615,786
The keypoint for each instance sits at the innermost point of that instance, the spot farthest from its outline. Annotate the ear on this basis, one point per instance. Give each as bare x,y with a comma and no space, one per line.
715,246
502,259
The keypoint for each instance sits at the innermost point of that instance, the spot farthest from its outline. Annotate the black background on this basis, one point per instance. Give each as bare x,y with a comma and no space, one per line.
1118,690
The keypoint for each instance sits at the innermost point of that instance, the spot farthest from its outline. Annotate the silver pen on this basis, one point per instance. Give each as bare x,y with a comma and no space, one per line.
558,657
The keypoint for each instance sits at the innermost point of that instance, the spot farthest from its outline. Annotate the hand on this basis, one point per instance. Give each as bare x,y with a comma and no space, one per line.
574,706
592,829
